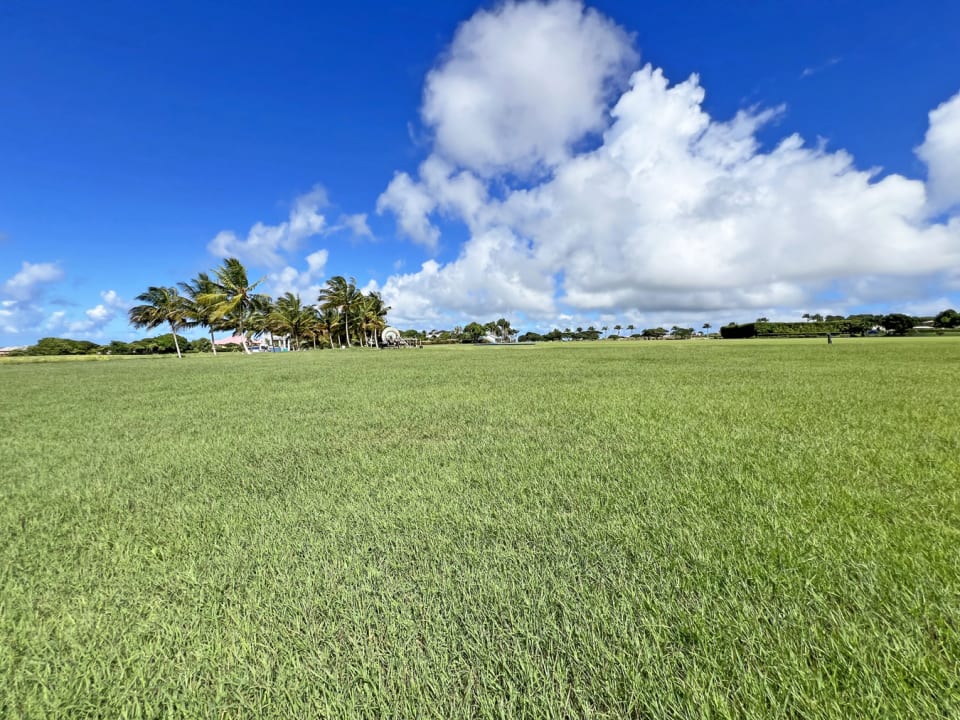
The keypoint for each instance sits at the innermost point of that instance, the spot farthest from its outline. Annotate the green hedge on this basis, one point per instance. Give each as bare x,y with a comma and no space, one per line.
835,327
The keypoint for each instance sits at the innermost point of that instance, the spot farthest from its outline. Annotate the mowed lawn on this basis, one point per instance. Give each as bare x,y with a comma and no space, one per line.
752,529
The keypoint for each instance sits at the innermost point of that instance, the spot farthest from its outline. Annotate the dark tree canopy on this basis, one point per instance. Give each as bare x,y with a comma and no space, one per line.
949,318
897,323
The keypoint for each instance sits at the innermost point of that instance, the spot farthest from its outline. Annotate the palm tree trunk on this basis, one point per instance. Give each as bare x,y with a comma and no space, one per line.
243,340
212,343
346,329
173,329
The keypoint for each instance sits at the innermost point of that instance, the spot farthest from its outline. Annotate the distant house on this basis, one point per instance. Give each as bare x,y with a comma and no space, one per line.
260,344
12,348
232,340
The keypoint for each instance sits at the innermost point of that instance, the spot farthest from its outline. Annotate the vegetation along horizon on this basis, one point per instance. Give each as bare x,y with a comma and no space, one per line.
341,315
751,528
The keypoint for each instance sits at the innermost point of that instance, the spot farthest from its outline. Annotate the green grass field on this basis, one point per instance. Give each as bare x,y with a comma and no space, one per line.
606,530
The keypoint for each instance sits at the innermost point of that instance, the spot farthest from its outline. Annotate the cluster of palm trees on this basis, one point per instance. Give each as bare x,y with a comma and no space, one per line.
228,301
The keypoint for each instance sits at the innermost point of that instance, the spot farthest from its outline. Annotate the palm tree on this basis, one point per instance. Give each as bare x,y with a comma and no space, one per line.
290,317
162,305
372,315
198,311
259,319
505,330
707,326
329,324
341,294
234,299
631,327
314,328
618,328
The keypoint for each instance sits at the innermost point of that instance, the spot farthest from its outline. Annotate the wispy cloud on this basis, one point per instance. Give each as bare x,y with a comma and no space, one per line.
266,245
29,281
98,316
273,246
814,69
356,224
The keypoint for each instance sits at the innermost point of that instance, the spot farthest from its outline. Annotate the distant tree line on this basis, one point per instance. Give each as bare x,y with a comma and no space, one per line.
591,333
499,331
861,324
225,300
345,316
147,346
228,301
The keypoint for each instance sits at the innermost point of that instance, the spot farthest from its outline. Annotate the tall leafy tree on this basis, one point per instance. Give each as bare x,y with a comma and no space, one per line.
314,328
259,319
198,311
472,333
341,294
372,316
329,324
291,318
161,305
948,318
898,323
234,298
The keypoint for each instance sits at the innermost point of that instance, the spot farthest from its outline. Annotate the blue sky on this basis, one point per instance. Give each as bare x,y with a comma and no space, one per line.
553,163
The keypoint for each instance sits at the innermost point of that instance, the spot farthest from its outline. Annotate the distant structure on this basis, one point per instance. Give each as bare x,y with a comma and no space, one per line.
393,339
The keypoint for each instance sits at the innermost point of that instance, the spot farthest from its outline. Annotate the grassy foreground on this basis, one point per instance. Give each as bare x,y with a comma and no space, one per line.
667,529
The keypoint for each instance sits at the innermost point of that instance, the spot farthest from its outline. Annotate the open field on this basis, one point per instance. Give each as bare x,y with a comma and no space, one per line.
666,529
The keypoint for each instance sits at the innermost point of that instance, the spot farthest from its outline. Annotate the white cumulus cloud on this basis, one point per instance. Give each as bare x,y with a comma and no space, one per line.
97,317
941,152
266,245
410,202
521,83
495,274
306,283
670,212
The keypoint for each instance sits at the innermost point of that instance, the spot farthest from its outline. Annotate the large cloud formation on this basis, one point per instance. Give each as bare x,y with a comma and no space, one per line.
667,211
